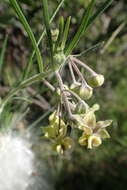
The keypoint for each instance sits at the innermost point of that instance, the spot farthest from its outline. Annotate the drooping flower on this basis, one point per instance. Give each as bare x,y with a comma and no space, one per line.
63,145
93,131
56,129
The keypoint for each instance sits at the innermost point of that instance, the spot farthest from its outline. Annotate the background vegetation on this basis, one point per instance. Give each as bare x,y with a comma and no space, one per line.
102,168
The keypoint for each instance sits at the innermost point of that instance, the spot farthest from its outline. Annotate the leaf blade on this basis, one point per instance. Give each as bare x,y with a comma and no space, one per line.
47,25
27,28
29,64
81,29
99,11
2,54
66,31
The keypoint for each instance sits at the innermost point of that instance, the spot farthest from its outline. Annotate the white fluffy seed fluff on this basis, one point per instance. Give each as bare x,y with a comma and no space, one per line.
17,165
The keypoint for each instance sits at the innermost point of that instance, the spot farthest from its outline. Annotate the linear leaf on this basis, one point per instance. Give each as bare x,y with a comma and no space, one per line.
113,36
47,25
61,28
28,67
81,28
66,30
29,32
99,11
2,53
93,48
24,84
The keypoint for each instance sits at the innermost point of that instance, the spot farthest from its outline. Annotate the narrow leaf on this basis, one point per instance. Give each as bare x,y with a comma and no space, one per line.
2,53
81,29
61,28
99,11
24,84
29,32
28,67
113,36
93,48
66,30
47,25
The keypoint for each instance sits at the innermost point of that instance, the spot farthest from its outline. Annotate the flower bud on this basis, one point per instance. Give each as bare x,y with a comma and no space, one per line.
81,108
58,91
95,107
59,58
85,92
75,87
96,80
62,131
66,88
94,141
53,118
54,34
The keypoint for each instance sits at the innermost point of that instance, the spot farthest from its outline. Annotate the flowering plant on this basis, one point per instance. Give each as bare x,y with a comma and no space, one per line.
71,109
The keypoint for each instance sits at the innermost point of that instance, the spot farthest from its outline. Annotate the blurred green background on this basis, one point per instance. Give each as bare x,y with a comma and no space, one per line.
103,168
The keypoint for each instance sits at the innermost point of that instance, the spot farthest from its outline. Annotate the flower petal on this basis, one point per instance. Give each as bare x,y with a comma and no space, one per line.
90,120
83,140
50,132
67,143
103,133
94,141
103,124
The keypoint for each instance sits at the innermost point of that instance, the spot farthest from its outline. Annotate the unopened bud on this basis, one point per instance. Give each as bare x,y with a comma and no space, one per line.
59,58
58,91
53,118
85,92
96,80
54,34
81,108
75,87
66,88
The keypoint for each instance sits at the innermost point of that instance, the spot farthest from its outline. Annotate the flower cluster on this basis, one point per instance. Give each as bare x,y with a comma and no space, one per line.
57,131
92,131
72,99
